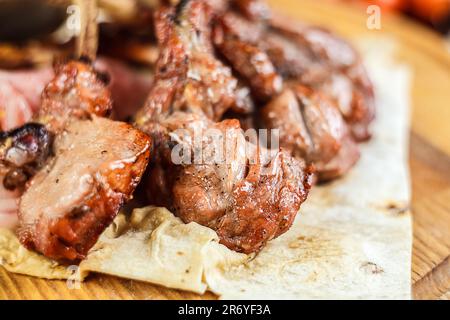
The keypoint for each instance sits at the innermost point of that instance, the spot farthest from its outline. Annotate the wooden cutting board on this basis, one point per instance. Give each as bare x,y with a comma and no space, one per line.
429,58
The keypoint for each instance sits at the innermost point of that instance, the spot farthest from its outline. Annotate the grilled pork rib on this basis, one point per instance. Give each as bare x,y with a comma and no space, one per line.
249,198
188,75
97,165
312,128
263,49
97,162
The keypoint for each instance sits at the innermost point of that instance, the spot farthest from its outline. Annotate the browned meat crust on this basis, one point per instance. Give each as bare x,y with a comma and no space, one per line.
265,205
311,128
249,198
96,166
249,61
188,76
70,202
76,92
320,59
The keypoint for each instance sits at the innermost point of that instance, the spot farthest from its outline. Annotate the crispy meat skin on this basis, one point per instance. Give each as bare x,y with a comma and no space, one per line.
70,202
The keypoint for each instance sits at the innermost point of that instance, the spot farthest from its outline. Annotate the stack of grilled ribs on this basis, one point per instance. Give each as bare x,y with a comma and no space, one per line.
223,67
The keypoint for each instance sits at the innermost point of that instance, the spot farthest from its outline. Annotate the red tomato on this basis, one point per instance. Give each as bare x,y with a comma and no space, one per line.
431,10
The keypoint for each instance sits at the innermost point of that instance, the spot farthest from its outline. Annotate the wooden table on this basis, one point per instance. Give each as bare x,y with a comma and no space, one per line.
426,53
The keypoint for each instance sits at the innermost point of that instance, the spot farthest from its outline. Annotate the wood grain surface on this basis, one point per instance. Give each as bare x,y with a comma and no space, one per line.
429,58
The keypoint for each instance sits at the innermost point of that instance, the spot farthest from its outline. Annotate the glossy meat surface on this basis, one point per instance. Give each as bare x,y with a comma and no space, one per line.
311,128
324,61
97,165
188,75
252,63
248,197
265,50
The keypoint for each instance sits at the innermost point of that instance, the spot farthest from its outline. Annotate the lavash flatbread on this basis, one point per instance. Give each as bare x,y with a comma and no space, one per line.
351,240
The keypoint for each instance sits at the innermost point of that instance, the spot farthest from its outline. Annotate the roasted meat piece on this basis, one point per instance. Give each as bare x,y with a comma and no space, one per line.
96,163
77,91
187,69
320,59
248,194
252,63
311,127
68,204
207,171
263,50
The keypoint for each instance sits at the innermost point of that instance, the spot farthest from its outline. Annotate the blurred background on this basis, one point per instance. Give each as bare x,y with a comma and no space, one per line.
33,31
432,13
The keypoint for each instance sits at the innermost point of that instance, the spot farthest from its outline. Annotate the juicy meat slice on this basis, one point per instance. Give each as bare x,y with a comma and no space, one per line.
311,127
76,92
97,165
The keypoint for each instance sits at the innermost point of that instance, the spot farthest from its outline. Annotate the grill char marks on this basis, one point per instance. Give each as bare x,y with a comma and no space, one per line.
189,77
